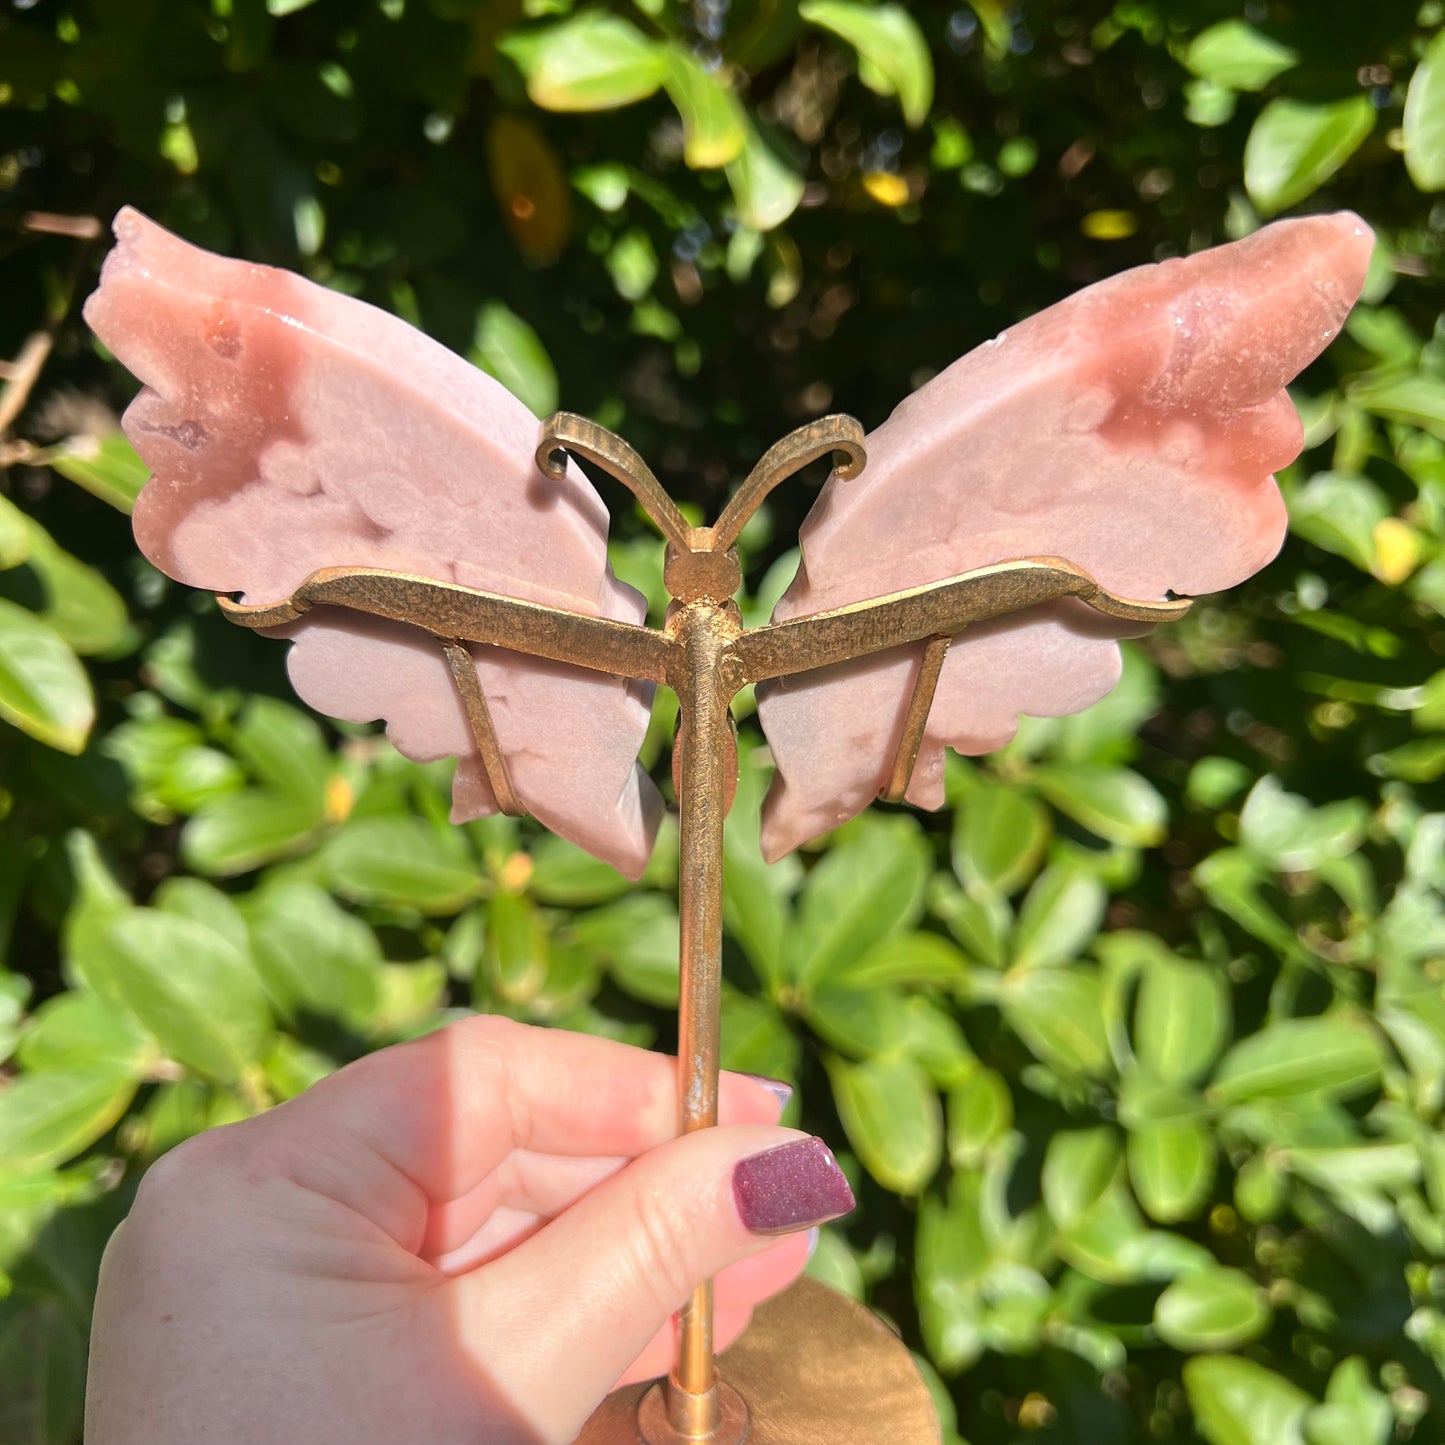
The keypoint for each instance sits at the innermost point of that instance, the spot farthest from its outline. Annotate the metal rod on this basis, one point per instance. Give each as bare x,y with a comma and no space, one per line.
484,730
703,635
916,719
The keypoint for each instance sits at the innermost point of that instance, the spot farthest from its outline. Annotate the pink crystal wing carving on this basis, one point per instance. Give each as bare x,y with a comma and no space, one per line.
292,428
1133,429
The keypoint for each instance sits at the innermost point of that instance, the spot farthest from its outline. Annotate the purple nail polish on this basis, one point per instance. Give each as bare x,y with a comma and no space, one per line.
781,1091
793,1186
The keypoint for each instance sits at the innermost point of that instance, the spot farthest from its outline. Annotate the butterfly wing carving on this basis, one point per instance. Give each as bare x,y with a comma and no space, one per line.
1132,428
291,428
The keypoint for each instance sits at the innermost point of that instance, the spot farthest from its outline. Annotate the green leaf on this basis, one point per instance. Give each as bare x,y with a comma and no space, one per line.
42,1370
767,190
1417,400
639,940
1420,761
1424,127
14,535
1231,881
411,996
1260,1190
912,959
507,348
833,1263
1339,512
50,1116
80,1031
1294,148
999,837
1079,1166
983,923
1172,1169
240,831
106,466
195,899
756,1038
1115,803
1110,1243
517,948
1354,1412
591,61
1181,1018
714,125
1059,1014
283,748
891,1114
1389,1167
951,1253
195,992
312,955
400,861
933,1038
858,1022
1321,1057
1060,914
14,995
43,688
1288,834
980,1115
863,890
632,264
1108,731
893,56
79,603
1236,1402
1234,54
564,875
1211,1309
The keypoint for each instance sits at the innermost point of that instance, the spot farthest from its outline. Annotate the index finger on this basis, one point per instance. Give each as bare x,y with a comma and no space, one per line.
422,1123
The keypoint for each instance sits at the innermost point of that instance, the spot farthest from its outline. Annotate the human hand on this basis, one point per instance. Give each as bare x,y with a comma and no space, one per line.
471,1237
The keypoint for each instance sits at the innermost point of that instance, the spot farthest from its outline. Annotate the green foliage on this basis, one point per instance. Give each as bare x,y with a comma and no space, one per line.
1136,1051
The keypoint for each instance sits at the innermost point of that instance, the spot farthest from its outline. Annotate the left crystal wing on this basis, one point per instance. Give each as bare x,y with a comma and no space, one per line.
291,428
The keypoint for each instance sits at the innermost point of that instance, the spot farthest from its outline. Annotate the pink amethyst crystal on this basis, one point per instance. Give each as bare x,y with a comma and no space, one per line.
292,428
1132,429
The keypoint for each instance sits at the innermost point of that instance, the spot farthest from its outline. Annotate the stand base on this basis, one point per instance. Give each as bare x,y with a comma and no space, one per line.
815,1368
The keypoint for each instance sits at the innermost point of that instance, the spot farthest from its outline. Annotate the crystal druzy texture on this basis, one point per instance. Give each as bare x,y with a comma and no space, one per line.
292,428
1132,429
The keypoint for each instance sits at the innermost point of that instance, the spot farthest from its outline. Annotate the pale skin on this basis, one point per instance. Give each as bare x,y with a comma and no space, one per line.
469,1238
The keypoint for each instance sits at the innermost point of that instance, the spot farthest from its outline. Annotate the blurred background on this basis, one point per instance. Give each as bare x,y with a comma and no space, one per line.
1136,1052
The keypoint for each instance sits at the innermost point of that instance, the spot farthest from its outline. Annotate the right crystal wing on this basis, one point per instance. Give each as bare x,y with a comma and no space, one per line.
1131,429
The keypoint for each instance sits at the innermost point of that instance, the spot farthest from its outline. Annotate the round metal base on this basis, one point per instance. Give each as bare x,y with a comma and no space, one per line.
815,1368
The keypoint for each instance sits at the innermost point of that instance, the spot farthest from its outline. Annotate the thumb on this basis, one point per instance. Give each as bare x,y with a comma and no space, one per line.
565,1313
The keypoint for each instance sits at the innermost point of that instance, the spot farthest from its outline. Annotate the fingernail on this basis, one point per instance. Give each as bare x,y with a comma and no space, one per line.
781,1091
793,1186
814,1235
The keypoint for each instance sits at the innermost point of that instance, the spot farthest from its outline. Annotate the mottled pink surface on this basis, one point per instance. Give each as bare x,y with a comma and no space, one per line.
291,428
1132,428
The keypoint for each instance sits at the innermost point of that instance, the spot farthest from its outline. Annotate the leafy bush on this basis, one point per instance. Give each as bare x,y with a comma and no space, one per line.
1138,1050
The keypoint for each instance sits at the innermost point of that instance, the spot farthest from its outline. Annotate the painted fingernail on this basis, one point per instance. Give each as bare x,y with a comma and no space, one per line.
793,1186
780,1091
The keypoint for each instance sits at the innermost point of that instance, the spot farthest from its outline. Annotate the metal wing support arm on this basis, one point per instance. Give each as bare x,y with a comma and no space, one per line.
932,614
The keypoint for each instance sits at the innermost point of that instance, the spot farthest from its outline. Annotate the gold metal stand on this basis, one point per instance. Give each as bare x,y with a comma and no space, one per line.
813,1365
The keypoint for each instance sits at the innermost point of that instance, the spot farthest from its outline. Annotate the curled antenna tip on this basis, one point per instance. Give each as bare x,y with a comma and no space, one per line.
552,459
